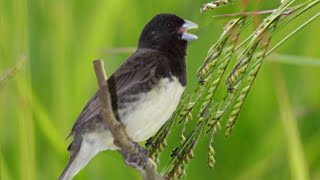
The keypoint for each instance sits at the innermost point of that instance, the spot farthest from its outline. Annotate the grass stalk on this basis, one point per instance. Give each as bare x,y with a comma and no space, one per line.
297,162
27,139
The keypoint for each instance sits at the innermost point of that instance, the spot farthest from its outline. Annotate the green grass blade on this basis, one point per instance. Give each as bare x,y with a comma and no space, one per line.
298,164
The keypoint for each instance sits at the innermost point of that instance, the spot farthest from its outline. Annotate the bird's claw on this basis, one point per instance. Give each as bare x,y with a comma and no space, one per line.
139,160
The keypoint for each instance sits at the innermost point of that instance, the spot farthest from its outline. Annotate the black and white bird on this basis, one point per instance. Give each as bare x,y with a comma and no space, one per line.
145,91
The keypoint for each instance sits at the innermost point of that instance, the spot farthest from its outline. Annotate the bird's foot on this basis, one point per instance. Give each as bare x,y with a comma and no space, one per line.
139,160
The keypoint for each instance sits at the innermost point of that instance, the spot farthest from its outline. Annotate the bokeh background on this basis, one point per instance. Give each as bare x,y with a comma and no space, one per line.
46,53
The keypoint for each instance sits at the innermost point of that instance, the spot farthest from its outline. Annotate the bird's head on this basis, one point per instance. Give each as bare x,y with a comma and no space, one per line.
168,33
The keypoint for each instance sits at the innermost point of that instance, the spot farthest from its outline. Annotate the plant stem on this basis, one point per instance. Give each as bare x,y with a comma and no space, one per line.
121,138
292,33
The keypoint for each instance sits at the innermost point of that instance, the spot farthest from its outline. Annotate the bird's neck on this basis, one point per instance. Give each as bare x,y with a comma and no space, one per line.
171,49
179,70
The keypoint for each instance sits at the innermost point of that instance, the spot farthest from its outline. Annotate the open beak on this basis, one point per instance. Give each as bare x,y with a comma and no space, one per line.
185,27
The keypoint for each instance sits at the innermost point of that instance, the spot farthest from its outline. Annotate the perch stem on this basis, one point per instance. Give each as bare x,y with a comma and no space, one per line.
121,138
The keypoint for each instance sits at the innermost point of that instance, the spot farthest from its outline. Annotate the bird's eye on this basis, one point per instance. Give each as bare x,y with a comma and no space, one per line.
169,25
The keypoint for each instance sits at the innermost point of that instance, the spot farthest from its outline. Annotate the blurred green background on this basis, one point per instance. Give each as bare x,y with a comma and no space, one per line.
46,51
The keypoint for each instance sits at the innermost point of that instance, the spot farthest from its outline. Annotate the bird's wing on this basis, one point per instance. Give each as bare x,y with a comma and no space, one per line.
137,74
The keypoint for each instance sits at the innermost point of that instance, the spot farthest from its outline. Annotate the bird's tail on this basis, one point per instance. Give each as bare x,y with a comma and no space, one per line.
80,154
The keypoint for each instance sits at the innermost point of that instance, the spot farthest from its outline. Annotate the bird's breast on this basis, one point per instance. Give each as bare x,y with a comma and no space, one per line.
144,117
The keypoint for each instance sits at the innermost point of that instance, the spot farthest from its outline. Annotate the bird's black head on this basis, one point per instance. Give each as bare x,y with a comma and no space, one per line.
167,33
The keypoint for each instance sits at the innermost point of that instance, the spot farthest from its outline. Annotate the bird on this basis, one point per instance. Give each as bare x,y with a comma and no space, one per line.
145,91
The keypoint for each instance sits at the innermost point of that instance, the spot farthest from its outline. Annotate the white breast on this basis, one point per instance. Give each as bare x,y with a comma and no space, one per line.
146,116
142,119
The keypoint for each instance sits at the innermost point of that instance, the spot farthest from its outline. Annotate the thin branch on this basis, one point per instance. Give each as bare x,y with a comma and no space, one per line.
131,151
293,33
290,11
